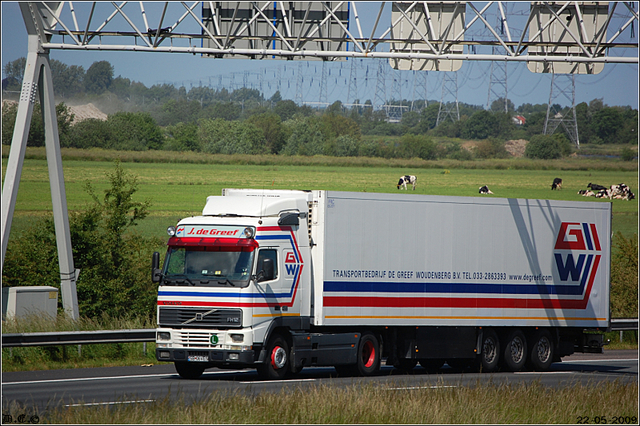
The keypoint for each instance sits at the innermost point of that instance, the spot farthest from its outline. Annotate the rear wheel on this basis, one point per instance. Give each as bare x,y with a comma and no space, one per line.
515,351
368,356
490,354
188,370
277,364
542,351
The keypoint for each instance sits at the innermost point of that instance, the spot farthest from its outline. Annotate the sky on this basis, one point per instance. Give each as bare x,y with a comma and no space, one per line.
616,85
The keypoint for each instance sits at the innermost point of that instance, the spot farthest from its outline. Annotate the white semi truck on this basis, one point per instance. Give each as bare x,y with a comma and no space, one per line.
279,280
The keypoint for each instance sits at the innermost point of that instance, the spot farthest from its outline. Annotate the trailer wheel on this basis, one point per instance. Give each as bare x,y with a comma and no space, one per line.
515,351
542,351
368,356
490,355
188,370
277,364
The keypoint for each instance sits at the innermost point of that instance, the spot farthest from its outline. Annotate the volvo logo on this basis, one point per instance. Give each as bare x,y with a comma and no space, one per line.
199,316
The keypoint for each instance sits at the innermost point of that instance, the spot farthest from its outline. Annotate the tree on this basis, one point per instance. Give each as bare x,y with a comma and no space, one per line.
480,125
498,105
491,148
306,137
272,129
226,110
547,147
14,73
90,133
135,131
67,80
605,124
113,258
417,146
36,128
275,98
429,117
99,77
334,125
624,276
182,137
231,137
286,109
346,146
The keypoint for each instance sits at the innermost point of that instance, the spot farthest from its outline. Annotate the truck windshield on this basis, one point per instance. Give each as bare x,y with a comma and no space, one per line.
207,266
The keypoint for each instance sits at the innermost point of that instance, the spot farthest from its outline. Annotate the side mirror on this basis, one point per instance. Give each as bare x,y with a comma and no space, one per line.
156,274
265,270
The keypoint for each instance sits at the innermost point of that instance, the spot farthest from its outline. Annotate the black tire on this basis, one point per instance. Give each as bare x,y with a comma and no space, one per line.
514,355
490,352
432,365
368,356
188,370
405,365
542,351
277,364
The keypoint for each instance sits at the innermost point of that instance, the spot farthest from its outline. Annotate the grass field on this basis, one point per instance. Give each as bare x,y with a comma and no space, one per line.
388,403
177,190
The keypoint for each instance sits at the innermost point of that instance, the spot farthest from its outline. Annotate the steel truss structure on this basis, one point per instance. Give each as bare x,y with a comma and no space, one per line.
420,31
564,37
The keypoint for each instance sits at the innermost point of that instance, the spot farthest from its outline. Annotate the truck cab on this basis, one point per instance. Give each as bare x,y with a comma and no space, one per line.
230,278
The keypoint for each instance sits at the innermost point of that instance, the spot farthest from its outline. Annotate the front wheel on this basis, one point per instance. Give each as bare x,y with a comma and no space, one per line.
277,364
515,351
542,351
188,370
368,357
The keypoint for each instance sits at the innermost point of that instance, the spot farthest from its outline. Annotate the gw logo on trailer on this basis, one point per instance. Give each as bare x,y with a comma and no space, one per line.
576,236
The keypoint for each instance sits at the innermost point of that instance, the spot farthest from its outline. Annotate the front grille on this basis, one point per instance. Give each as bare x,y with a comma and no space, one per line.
194,340
200,317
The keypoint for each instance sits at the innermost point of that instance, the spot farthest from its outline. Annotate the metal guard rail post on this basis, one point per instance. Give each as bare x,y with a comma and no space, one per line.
149,335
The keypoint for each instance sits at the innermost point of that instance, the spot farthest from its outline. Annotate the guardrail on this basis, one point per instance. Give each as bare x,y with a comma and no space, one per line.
624,324
55,338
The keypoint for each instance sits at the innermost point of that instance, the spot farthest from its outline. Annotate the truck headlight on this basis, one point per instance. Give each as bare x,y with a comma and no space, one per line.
237,338
164,335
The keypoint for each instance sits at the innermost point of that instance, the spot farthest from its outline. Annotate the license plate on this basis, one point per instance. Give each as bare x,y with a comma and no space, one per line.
197,358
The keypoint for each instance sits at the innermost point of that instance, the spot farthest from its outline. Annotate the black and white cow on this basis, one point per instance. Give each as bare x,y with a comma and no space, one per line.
596,187
621,192
485,190
404,180
557,183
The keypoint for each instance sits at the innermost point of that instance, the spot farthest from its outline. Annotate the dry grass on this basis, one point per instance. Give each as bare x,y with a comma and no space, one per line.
530,403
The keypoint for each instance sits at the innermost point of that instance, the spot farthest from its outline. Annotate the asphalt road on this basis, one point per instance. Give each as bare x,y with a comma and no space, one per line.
120,385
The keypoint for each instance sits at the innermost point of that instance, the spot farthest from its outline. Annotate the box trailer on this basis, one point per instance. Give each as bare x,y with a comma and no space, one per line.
282,279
